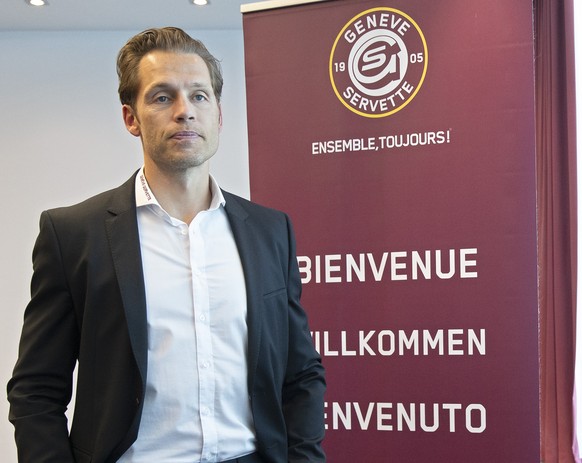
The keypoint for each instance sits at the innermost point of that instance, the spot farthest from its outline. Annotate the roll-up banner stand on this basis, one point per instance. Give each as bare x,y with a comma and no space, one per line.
399,137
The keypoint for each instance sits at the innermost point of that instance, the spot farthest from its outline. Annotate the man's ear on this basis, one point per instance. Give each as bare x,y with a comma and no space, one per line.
219,117
131,120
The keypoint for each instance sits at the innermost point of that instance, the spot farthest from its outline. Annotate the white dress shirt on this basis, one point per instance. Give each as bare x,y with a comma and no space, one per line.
196,406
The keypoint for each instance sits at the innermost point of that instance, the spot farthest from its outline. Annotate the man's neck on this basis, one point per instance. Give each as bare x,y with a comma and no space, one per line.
182,194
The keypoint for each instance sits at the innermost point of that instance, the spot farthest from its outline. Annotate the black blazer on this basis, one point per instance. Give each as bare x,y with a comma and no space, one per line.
88,305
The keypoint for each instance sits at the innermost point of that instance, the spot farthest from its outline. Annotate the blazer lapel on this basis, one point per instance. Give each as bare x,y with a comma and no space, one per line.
123,236
243,236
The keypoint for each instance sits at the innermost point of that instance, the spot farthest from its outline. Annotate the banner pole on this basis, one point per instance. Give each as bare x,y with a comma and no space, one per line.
272,4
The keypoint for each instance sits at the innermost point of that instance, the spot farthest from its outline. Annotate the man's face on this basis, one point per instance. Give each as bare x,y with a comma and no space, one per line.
176,113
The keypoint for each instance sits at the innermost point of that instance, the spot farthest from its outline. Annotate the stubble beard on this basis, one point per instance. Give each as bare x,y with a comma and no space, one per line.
179,160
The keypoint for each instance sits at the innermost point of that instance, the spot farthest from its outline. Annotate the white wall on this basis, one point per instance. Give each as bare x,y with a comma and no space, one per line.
62,139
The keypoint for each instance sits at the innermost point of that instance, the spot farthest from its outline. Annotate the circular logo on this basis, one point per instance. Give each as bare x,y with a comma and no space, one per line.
378,62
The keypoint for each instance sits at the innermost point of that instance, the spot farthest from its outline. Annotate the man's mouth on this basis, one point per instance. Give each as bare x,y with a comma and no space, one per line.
185,135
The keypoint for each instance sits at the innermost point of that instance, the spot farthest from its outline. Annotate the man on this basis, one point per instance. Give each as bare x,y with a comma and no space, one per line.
179,301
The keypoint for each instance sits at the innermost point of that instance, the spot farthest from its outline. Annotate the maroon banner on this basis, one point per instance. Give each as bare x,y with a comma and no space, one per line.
399,136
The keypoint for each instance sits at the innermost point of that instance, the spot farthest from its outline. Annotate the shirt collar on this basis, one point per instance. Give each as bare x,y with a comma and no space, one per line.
144,196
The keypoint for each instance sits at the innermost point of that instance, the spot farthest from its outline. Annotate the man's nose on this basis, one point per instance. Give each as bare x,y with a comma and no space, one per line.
184,108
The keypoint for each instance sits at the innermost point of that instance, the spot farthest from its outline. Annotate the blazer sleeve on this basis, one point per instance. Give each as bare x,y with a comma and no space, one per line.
304,386
41,386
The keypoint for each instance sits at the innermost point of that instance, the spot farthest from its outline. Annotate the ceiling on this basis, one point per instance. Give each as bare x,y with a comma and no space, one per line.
66,15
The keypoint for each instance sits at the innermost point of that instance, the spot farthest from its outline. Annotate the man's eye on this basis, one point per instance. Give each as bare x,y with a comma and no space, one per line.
162,99
199,97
